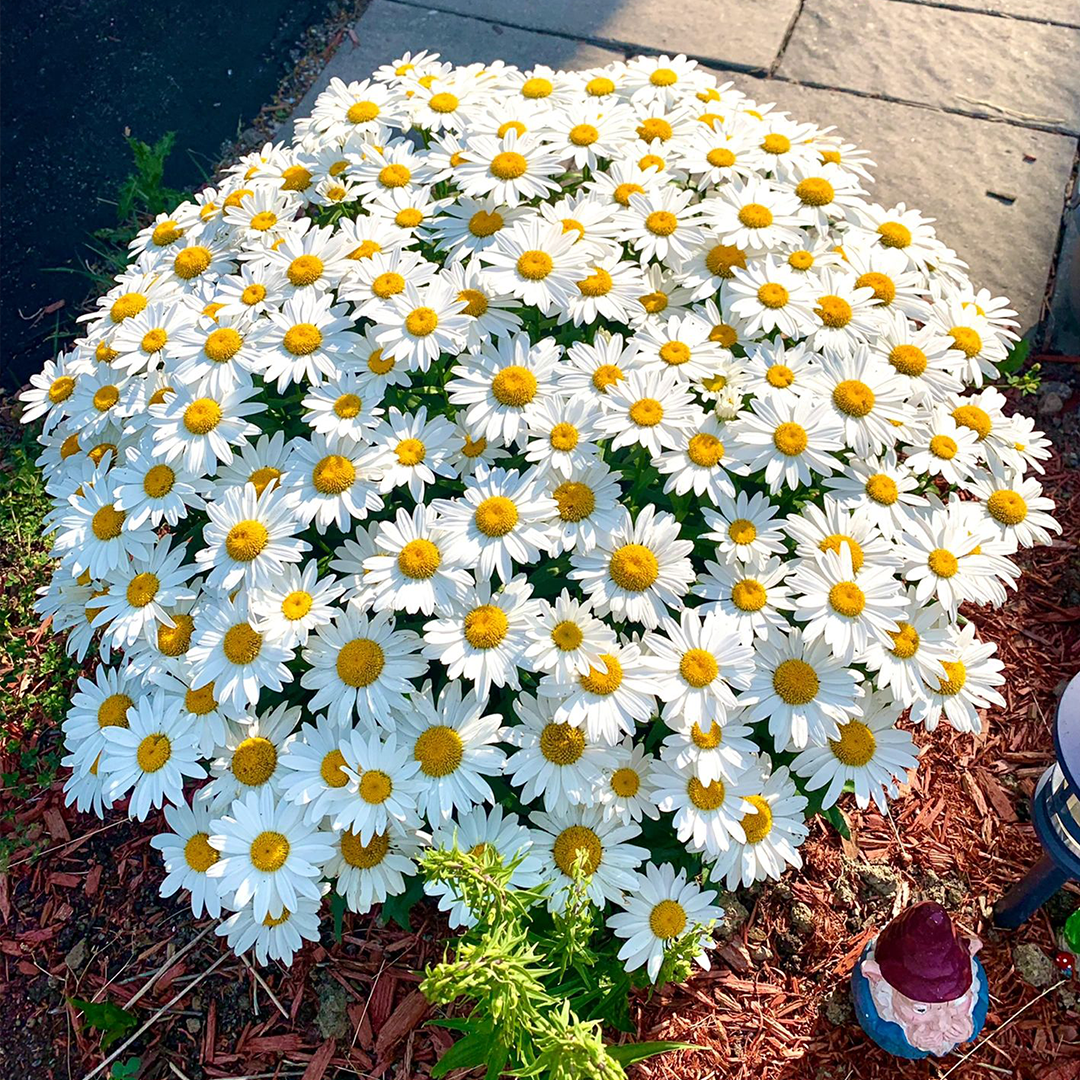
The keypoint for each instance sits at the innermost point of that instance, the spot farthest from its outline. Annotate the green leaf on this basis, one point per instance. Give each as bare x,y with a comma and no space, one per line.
628,1053
467,1053
337,910
126,1070
1016,357
837,820
108,1018
398,907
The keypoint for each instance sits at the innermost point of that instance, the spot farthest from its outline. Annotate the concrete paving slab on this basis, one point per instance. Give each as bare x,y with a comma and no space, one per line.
744,34
1063,323
388,29
962,60
948,166
1056,11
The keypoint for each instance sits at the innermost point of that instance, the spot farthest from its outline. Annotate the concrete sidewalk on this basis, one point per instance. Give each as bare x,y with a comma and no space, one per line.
971,108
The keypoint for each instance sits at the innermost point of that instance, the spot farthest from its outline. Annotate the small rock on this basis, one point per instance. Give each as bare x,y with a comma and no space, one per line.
789,944
1033,965
802,918
1050,404
76,957
734,915
1068,1001
332,1019
838,1007
844,893
193,1024
884,880
760,954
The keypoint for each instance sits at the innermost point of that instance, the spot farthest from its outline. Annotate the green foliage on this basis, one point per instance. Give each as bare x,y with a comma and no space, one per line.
1013,372
126,1070
108,1018
541,987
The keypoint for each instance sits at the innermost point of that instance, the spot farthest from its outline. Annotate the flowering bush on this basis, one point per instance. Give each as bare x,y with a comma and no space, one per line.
575,467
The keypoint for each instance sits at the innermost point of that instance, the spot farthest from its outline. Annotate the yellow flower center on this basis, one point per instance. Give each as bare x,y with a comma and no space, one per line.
570,844
200,702
388,284
496,516
348,406
884,287
153,752
486,626
166,233
720,157
622,193
112,712
647,412
815,191
853,398
944,447
511,125
599,283
107,523
833,311
908,360
421,321
269,851
534,265
847,599
142,589
366,250
241,644
758,824
265,219
705,450
564,436
942,563
253,294
956,676
408,218
894,235
295,178
674,353
772,295
439,750
790,439
655,129
394,175
583,135
191,262
567,636
749,595
305,270
603,683
856,744
800,260
375,786
254,761
537,87
222,345
905,641
576,501
661,223
364,856
706,797
379,364
419,559
175,640
882,489
562,744
599,87
333,475
508,165
667,920
61,389
742,531
625,783
296,605
514,386
331,770
284,917
483,224
795,682
698,667
124,307
724,335
198,853
1007,507
604,376
246,540
633,567
360,662
654,302
476,303
443,103
776,144
833,542
260,479
362,112
974,419
105,397
755,216
202,416
707,740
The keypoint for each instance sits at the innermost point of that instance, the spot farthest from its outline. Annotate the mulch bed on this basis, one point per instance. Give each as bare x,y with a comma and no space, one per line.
84,920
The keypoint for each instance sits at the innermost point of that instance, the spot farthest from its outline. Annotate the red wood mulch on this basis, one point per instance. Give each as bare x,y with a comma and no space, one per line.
84,920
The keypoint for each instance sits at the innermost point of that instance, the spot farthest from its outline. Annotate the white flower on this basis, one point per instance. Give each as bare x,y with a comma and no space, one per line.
567,638
250,757
971,673
295,603
370,873
274,937
419,324
512,169
187,855
660,908
661,225
382,789
651,408
311,768
332,480
626,790
710,751
414,450
755,597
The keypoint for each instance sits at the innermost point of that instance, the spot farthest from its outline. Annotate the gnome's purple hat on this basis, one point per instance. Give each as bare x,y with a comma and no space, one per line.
921,955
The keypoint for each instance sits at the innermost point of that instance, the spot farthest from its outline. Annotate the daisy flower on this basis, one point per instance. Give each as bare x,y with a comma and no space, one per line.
414,450
371,873
92,535
913,654
362,664
609,291
561,436
639,570
701,465
311,768
941,561
249,539
661,225
592,369
626,791
467,226
187,855
415,566
484,639
754,596
500,520
149,490
478,830
707,816
260,464
150,756
587,507
682,344
651,408
416,326
919,355
489,313
346,406
1015,507
332,481
250,757
870,755
273,937
578,838
512,169
269,857
711,750
697,661
868,400
554,761
566,638
845,313
971,673
754,215
802,690
294,603
610,699
452,739
881,490
774,831
383,786
661,908
97,705
790,440
306,341
744,528
900,229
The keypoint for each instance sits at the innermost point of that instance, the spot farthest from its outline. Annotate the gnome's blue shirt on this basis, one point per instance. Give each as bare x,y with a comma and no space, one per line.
889,1035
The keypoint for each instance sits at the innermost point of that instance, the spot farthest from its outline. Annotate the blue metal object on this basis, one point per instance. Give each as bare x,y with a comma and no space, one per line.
1055,813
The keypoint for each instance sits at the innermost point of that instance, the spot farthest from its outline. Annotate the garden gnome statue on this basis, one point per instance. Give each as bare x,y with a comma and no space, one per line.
919,988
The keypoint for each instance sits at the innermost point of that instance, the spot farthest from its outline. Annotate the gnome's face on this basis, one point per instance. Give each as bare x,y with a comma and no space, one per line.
935,1027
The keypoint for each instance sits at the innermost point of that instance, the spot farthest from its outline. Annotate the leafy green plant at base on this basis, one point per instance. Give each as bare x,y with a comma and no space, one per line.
126,1070
540,987
1013,373
108,1018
